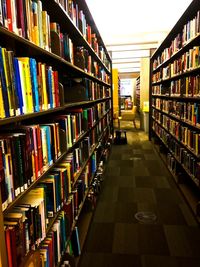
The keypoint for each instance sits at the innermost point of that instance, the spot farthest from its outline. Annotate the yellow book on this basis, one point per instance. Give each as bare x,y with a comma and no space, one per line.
58,138
2,110
44,88
69,132
45,29
8,81
29,18
186,86
27,81
197,144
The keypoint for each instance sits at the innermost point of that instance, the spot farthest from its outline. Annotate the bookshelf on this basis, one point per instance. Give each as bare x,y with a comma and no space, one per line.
175,106
55,128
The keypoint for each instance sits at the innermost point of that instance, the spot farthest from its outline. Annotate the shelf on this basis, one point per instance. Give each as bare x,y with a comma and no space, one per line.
178,119
175,77
49,111
182,166
58,14
182,144
177,54
179,98
33,184
32,50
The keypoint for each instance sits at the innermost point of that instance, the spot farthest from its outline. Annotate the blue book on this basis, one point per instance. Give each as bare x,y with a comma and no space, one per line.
34,81
3,84
50,91
18,85
57,178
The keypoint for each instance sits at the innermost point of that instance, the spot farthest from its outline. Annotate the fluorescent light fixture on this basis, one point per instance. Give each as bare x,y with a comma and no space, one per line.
133,47
129,54
126,65
126,60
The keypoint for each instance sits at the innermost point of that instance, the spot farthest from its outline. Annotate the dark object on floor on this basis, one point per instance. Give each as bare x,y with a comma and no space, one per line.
120,137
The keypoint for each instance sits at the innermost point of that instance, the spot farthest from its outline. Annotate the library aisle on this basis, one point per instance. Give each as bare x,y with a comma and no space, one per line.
136,180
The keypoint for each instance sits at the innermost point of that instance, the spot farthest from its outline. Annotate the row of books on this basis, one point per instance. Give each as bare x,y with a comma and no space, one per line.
188,61
190,30
80,21
78,90
27,19
185,111
161,89
26,225
27,151
188,161
77,55
62,43
26,86
171,163
185,135
188,86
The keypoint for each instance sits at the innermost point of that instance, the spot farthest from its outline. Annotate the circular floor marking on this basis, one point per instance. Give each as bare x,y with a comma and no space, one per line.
145,217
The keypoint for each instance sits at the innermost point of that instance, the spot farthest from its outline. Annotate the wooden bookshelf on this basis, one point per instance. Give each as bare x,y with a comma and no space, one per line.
95,77
175,102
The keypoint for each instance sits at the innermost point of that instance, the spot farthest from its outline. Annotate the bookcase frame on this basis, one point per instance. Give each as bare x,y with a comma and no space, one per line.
191,192
23,47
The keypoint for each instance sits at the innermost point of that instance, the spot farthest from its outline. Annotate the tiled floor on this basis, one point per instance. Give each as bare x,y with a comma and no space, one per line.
137,180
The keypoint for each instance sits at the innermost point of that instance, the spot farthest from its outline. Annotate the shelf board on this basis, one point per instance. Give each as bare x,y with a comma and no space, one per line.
28,116
179,98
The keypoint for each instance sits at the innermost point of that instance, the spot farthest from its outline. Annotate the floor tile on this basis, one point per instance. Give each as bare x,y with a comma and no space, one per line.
125,240
100,238
183,241
152,240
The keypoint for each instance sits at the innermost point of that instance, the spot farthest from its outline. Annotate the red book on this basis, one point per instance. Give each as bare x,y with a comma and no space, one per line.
20,17
40,156
8,246
36,158
56,86
9,15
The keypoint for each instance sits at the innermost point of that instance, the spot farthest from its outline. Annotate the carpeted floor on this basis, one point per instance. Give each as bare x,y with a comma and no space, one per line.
136,180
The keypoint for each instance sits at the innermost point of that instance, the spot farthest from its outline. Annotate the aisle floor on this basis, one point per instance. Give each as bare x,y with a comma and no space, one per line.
136,180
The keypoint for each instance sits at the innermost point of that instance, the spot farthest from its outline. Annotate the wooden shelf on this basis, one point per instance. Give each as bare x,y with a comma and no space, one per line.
24,46
58,14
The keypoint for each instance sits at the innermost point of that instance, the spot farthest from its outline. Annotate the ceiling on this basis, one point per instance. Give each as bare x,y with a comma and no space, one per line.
130,28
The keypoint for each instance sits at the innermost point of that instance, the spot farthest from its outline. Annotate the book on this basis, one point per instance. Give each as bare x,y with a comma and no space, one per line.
3,83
